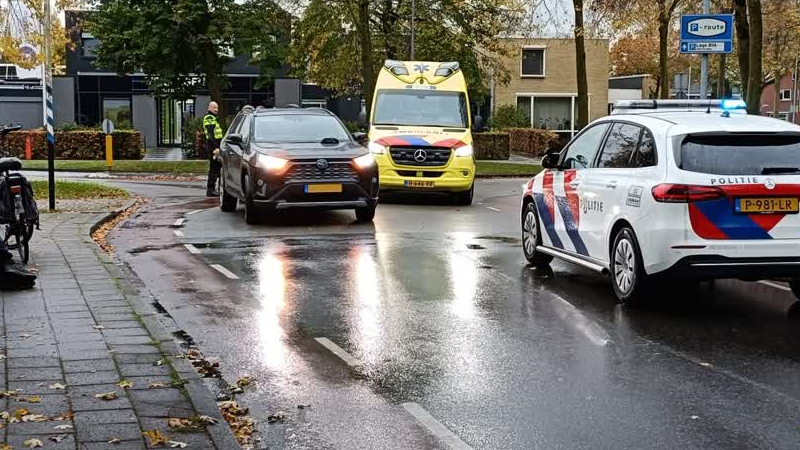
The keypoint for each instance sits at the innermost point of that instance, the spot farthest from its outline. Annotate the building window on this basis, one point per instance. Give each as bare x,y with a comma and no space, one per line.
786,94
118,110
8,72
88,44
533,62
552,113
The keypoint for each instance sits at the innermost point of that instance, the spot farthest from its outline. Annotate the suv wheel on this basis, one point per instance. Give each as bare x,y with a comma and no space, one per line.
627,269
365,214
227,202
252,214
794,283
531,237
465,198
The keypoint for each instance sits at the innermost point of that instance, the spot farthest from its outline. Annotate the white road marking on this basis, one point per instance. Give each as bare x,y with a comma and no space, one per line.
338,351
178,233
195,211
435,427
493,209
775,285
179,222
192,249
224,271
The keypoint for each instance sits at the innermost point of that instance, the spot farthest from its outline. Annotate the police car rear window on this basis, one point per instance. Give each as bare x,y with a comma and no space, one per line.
741,154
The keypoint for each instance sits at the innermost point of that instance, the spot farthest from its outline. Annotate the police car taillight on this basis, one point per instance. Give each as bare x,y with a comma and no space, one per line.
685,193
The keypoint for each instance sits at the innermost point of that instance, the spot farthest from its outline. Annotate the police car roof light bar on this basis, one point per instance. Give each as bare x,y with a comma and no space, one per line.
630,106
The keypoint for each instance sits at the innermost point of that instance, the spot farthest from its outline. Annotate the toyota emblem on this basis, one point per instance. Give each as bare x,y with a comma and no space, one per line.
769,184
323,164
420,155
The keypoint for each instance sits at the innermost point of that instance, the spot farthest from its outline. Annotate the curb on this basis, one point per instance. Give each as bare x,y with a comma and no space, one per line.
153,321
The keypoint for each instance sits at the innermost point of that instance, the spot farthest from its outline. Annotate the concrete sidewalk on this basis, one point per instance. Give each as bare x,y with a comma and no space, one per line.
78,334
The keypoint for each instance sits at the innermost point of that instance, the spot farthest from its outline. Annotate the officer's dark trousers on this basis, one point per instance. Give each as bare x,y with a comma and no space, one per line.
214,168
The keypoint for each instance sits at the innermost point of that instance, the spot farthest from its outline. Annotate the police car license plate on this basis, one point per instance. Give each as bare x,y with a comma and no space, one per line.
323,188
766,205
419,184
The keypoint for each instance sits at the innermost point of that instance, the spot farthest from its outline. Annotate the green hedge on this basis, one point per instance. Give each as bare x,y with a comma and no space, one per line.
491,145
75,144
532,141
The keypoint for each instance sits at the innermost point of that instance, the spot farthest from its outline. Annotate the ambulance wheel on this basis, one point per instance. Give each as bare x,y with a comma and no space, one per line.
627,269
465,198
531,237
794,283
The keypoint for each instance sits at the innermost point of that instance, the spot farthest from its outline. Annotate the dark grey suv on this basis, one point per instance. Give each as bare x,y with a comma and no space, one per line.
292,158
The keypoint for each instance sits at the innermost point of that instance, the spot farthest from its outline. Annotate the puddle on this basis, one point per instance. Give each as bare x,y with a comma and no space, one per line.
503,239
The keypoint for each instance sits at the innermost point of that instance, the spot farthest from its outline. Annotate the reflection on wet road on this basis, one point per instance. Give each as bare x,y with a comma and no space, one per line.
440,310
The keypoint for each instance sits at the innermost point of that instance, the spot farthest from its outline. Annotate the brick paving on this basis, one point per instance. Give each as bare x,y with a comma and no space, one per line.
79,328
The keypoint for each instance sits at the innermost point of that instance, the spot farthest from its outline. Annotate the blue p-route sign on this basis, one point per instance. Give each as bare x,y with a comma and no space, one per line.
707,33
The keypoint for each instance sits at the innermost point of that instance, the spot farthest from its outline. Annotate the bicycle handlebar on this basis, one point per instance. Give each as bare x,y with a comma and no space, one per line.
5,129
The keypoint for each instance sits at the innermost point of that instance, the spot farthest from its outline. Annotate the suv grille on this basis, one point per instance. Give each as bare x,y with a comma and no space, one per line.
304,171
433,157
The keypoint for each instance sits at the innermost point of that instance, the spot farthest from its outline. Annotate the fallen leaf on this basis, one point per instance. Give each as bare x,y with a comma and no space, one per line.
695,417
34,418
8,394
6,447
107,396
244,381
177,423
113,440
99,327
34,399
57,386
59,437
155,437
62,427
33,443
21,412
63,416
277,417
303,406
160,362
705,364
2,357
156,385
5,415
125,384
25,336
209,420
178,444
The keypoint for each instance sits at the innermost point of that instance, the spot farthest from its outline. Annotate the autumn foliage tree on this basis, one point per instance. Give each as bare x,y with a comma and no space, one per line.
21,23
781,41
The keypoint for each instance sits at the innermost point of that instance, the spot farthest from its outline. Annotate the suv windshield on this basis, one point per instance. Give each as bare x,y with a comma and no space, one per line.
741,154
297,128
421,108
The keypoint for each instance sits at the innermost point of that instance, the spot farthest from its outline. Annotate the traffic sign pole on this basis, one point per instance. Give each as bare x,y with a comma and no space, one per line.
704,59
47,88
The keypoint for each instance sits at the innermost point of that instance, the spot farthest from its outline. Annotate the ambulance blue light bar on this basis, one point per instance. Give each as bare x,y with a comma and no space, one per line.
649,106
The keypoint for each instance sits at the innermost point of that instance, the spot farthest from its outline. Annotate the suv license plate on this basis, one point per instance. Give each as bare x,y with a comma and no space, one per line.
323,188
766,205
419,184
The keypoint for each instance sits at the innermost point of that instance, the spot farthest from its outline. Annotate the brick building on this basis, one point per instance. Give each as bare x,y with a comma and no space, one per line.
787,95
544,82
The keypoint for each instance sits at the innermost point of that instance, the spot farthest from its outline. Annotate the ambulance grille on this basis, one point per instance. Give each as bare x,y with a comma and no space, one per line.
416,156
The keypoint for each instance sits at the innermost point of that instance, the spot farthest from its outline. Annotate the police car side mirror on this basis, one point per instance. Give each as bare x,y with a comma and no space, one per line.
234,138
550,160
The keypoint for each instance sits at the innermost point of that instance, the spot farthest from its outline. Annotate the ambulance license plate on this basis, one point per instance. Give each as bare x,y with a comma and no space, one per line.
767,205
419,184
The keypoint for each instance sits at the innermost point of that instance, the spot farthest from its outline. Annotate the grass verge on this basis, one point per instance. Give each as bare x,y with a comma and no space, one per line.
72,190
483,168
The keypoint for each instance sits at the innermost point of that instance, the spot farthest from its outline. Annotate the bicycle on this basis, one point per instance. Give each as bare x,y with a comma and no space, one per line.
18,210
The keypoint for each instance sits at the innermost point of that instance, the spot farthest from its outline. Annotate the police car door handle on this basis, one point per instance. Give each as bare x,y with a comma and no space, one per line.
612,184
574,184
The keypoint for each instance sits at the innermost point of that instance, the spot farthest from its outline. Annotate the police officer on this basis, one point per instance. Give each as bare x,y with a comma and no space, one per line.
213,134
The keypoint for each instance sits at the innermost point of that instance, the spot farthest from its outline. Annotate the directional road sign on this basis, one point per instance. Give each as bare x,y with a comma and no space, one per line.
707,33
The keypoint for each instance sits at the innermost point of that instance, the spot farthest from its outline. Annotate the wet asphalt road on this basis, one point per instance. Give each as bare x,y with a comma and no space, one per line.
439,307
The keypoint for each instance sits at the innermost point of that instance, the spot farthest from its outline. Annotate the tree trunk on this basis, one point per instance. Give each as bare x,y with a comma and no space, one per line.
663,69
721,87
755,81
776,98
580,64
742,42
213,78
365,37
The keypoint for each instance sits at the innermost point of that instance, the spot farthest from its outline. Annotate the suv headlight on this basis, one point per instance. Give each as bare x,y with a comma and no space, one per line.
271,163
364,161
464,151
376,148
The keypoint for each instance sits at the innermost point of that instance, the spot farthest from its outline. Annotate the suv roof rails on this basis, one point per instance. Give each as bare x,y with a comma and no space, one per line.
248,108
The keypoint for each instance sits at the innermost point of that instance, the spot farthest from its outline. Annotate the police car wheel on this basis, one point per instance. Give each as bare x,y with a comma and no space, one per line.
531,237
627,270
794,283
227,202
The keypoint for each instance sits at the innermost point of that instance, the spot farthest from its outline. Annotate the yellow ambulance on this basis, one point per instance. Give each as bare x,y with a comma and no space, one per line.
420,129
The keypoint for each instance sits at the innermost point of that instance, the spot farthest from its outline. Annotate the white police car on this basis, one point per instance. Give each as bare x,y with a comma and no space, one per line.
671,188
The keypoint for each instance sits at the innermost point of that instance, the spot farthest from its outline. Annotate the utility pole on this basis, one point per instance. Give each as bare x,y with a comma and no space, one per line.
47,93
413,20
704,59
